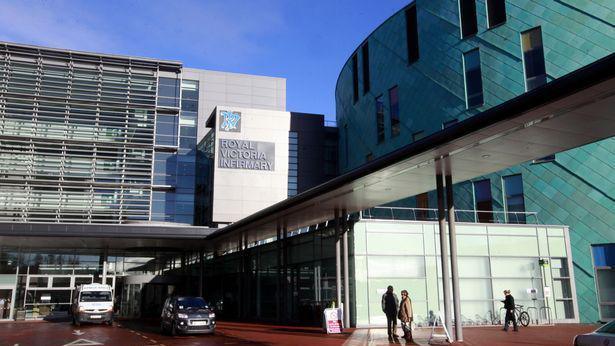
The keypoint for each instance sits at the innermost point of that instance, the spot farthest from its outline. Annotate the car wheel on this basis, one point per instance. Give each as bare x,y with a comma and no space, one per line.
173,329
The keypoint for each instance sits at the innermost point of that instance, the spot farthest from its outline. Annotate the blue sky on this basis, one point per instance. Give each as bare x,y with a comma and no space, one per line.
305,41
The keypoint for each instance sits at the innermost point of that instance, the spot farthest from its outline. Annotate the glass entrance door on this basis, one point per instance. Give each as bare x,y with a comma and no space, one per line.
6,303
604,264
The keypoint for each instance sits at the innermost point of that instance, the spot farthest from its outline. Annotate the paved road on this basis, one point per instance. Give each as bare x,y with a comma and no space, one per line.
121,333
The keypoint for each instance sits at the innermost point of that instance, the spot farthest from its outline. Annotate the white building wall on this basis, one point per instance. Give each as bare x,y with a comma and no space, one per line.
239,192
235,89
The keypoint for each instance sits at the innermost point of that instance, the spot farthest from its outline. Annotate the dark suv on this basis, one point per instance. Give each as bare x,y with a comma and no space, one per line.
187,315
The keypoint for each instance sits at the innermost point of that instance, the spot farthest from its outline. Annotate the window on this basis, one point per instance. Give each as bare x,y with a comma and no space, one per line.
496,12
513,195
380,119
418,135
449,123
467,15
545,159
355,79
533,58
166,129
394,111
422,205
293,146
473,79
168,92
412,35
365,51
483,202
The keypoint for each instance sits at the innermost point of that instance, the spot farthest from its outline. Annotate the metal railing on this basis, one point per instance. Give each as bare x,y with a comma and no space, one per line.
461,215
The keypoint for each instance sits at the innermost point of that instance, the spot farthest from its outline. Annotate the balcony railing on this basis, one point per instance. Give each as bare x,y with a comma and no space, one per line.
461,215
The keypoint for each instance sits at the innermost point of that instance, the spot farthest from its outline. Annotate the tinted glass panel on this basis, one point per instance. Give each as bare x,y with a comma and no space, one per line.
496,12
422,204
365,53
380,119
533,58
513,189
394,110
355,79
166,129
412,35
482,196
467,10
473,78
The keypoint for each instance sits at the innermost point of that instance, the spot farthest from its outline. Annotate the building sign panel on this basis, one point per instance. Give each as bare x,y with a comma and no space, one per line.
243,154
230,121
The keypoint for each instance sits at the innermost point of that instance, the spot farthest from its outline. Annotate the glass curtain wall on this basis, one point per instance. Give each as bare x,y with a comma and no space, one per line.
249,284
492,258
76,136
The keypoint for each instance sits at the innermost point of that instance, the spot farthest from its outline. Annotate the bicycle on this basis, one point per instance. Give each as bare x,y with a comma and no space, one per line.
520,315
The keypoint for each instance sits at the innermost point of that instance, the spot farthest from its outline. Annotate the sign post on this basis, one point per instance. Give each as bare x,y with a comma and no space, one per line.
333,320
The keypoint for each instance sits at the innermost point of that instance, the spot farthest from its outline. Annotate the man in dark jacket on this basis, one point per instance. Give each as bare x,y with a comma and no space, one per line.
509,305
389,307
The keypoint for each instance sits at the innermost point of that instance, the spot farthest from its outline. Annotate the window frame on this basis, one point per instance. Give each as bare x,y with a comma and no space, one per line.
412,34
525,76
489,25
365,67
395,128
355,78
463,20
465,78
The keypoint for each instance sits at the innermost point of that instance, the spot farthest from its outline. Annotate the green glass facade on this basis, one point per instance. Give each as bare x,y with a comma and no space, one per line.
454,78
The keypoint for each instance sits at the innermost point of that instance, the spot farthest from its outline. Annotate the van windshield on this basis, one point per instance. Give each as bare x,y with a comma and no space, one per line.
95,296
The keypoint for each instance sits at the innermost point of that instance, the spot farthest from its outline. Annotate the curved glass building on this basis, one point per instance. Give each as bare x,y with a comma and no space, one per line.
436,63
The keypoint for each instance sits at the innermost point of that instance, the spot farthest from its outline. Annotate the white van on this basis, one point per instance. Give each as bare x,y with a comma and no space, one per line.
93,303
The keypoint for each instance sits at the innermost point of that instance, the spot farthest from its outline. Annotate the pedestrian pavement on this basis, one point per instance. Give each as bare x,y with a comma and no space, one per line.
557,335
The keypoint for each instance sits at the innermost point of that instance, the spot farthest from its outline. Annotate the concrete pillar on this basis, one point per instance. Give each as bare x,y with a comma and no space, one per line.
338,264
452,236
346,272
443,247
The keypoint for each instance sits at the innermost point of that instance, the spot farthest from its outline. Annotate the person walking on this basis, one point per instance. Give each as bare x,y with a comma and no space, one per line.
389,307
509,305
405,315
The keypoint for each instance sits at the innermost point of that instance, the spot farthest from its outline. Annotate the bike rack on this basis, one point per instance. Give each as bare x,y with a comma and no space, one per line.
535,314
547,313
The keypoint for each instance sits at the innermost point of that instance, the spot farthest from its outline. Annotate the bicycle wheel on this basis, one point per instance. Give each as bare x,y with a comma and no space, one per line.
524,319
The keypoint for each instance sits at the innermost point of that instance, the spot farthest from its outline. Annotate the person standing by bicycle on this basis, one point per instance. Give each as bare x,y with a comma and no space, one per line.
509,305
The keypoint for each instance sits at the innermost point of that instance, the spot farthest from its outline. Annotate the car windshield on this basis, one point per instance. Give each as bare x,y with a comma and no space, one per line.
608,328
95,296
191,303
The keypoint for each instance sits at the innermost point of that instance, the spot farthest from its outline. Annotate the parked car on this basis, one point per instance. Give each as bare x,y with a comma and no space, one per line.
187,315
92,303
602,336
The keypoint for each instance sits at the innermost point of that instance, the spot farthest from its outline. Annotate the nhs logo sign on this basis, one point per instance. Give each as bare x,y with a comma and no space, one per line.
230,121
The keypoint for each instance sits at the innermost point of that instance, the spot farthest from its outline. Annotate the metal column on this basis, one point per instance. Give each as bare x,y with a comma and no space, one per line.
279,265
338,264
346,277
443,247
453,242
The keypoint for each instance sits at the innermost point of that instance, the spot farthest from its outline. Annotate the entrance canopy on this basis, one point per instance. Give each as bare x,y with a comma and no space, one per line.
97,236
571,111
